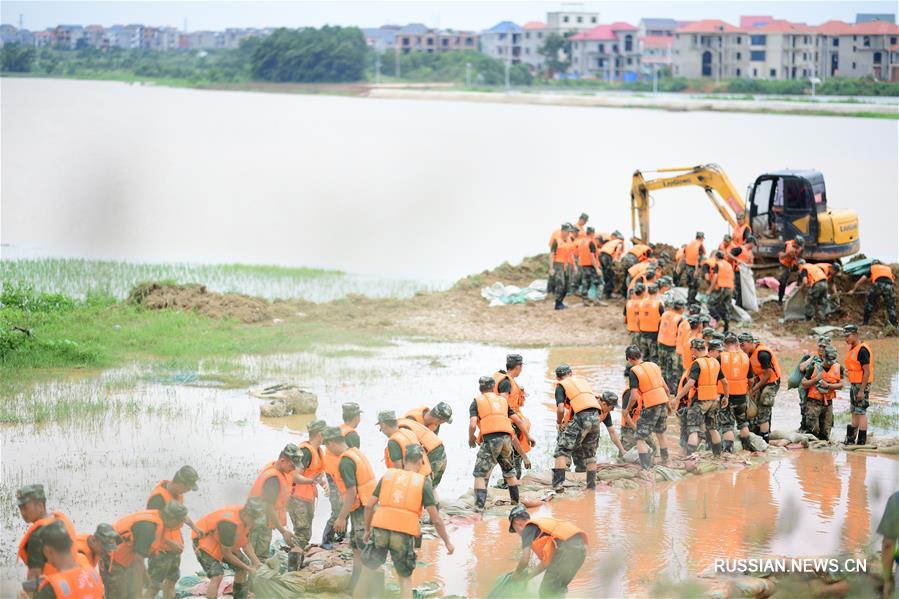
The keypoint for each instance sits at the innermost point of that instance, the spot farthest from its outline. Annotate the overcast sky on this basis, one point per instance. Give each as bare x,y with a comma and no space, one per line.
218,15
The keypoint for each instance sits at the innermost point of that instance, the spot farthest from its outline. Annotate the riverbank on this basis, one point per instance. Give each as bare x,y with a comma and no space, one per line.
858,107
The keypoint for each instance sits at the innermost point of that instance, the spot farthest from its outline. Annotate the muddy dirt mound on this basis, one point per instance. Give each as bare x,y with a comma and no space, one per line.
522,274
161,296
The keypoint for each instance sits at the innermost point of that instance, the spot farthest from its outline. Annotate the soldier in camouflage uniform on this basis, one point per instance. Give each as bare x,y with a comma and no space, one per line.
652,419
164,566
268,487
882,281
496,447
668,359
806,368
858,360
819,403
702,414
561,271
765,392
720,298
578,434
301,505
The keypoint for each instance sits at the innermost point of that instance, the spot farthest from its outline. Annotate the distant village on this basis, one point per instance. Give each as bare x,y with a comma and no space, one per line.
758,47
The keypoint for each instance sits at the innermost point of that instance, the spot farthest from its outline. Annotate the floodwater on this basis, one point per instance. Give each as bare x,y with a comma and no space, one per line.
422,190
100,468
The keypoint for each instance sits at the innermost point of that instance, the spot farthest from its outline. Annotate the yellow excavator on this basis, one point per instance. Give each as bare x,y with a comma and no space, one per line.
782,205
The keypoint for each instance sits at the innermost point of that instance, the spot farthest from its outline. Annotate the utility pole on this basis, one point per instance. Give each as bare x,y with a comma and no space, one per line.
508,59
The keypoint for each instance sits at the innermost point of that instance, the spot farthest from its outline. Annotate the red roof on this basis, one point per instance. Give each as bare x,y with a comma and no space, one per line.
600,33
708,26
782,26
622,26
534,25
755,20
657,41
869,28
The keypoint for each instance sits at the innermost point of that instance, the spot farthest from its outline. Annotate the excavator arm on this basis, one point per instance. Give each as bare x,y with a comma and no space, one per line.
710,177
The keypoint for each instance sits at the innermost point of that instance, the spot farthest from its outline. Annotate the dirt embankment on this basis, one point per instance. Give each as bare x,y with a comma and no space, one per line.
461,314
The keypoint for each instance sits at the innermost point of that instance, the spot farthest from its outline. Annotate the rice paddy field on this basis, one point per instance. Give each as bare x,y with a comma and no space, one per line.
78,278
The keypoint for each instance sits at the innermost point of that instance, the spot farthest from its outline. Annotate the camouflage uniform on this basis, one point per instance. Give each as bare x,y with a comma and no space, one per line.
493,451
581,435
668,361
122,582
336,502
211,566
726,418
357,531
735,412
261,540
649,346
652,420
301,515
818,418
692,283
816,302
765,402
437,458
719,305
162,566
882,288
589,278
858,405
702,415
560,280
608,275
401,547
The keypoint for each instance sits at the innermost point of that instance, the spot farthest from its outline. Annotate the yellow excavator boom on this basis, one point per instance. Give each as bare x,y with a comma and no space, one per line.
710,177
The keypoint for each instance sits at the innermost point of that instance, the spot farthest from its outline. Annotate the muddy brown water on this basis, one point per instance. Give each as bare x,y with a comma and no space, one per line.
99,469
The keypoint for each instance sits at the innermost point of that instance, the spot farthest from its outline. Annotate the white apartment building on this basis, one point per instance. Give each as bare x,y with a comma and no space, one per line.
609,52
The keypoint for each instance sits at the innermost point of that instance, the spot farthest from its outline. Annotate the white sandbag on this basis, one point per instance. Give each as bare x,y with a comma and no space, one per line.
794,305
747,289
742,314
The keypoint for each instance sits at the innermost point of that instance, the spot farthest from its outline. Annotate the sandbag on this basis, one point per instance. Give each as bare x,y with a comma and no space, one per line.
796,377
747,289
794,306
752,408
506,586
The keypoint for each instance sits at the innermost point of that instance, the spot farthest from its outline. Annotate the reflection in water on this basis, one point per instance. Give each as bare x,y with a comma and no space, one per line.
793,506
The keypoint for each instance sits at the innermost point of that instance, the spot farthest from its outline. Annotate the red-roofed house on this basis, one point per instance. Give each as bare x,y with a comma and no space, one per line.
858,49
609,52
655,51
754,21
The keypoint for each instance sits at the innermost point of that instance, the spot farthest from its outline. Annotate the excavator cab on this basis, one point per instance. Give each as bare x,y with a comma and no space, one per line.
784,204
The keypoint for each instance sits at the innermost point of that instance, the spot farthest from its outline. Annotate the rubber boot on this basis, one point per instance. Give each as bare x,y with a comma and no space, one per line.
691,449
765,436
327,538
664,454
728,446
708,440
513,494
716,449
559,480
850,435
646,461
480,499
862,437
591,479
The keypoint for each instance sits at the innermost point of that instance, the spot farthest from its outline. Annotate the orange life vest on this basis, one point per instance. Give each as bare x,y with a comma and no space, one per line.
668,325
83,548
365,477
741,233
124,554
757,367
493,414
210,542
686,356
316,467
725,278
404,438
75,583
640,251
735,366
614,248
585,256
649,314
832,376
791,254
679,254
172,534
564,251
426,437
745,256
683,329
638,269
827,268
854,367
400,502
578,394
651,385
332,462
551,532
632,314
879,271
707,385
692,251
813,274
516,397
49,519
283,493
556,236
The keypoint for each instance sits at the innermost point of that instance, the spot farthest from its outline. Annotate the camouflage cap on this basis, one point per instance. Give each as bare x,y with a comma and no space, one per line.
55,534
590,230
387,416
443,411
708,331
746,337
666,280
617,234
316,426
705,318
830,354
693,319
562,370
332,433
823,341
608,397
518,511
697,343
513,360
700,235
679,303
350,410
653,288
567,226
187,476
30,493
174,510
718,335
728,237
292,452
730,338
639,288
107,536
414,452
255,509
799,239
715,345
849,329
694,308
584,217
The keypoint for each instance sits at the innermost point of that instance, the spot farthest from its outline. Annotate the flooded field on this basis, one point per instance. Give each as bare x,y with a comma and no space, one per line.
99,464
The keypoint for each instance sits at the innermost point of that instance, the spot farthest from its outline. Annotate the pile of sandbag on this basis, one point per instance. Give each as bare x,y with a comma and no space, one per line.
285,400
501,295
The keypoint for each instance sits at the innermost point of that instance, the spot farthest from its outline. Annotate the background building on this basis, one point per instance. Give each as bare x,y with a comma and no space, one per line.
608,52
